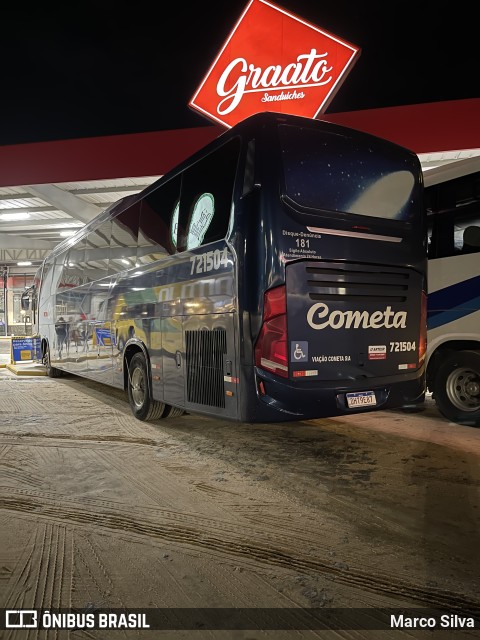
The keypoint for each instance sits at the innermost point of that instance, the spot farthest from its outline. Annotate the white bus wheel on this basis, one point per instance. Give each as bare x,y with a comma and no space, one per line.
457,387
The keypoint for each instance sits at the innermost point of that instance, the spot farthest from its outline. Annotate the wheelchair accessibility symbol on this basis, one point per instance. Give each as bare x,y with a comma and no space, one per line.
299,351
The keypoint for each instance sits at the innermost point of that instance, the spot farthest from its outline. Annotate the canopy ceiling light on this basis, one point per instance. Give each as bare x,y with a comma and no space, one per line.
21,215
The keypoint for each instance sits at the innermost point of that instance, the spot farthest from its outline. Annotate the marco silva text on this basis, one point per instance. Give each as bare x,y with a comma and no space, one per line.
444,621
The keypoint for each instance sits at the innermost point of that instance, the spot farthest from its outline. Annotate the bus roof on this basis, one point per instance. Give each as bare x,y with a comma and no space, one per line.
451,170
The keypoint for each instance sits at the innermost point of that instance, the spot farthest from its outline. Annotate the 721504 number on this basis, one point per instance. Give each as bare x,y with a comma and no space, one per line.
209,261
402,346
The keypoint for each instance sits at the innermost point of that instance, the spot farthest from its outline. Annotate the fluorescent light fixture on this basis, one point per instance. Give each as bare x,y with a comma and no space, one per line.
26,263
21,215
125,261
67,234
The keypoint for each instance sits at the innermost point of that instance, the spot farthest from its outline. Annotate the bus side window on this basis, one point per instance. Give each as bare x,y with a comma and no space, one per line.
442,242
74,264
124,238
206,199
47,276
97,251
440,205
471,239
156,237
453,216
249,178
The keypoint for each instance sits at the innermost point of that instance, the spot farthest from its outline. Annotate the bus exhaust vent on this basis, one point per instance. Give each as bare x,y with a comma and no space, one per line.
349,281
204,356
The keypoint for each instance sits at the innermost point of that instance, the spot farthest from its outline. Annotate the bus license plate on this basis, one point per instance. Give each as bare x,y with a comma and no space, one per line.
361,399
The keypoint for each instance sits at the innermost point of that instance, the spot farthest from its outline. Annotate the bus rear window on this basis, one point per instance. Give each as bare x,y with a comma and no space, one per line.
333,172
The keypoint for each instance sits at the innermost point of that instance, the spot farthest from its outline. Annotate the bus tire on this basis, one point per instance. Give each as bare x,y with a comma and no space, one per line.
456,389
172,412
52,372
143,406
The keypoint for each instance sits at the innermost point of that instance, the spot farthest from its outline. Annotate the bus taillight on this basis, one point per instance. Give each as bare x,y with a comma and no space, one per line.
271,347
422,344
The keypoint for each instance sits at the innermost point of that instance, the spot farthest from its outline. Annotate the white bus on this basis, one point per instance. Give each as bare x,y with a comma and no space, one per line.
452,194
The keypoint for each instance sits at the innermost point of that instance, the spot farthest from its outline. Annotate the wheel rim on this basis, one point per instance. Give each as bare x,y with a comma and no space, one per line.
138,387
463,389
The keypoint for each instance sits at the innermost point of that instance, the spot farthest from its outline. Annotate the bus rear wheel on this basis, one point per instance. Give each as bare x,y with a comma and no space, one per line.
143,406
457,388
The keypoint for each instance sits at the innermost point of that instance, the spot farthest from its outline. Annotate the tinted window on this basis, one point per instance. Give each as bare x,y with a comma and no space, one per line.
453,209
97,251
206,199
73,267
124,238
334,172
159,222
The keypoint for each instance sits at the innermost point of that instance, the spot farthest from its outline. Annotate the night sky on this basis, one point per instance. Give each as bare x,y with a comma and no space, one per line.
114,68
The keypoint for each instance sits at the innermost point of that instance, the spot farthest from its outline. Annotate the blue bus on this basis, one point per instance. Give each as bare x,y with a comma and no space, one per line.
278,274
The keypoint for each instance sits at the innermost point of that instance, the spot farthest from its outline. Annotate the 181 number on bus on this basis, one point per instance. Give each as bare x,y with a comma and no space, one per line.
209,261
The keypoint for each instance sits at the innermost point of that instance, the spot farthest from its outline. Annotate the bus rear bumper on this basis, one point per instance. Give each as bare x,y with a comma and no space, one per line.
282,400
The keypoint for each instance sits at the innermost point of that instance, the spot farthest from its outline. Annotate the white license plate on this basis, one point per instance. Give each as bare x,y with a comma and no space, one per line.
361,399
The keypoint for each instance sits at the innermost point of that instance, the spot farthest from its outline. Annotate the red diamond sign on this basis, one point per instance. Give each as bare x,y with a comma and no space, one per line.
273,61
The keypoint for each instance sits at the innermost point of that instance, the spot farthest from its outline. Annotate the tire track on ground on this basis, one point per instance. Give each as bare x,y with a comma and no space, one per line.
98,505
40,576
116,439
238,546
